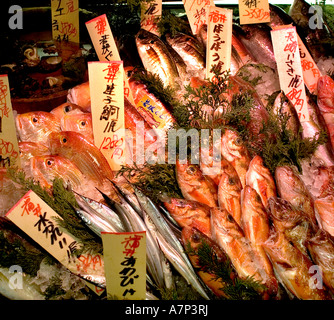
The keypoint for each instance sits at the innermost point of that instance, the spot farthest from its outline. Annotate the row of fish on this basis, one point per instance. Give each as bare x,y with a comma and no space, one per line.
274,229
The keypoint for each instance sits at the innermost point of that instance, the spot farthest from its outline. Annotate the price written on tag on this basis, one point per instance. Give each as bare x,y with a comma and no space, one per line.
311,72
196,13
219,39
9,148
150,15
105,45
107,105
65,20
286,51
40,222
254,11
125,264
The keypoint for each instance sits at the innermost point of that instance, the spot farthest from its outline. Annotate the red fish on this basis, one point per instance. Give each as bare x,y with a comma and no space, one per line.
79,122
195,238
84,154
259,178
36,126
46,168
65,109
326,103
189,213
194,185
246,261
80,95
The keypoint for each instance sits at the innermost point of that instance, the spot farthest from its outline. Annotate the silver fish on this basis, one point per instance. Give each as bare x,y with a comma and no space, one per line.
175,258
169,244
154,264
99,214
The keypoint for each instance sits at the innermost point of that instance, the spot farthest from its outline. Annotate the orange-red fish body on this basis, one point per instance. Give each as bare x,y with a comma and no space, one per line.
84,154
80,95
229,235
291,188
36,126
234,151
326,103
255,224
194,185
294,269
80,122
229,194
189,213
65,109
195,238
46,168
259,178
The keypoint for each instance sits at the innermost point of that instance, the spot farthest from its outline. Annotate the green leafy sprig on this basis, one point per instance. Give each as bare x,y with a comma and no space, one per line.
63,202
233,288
154,180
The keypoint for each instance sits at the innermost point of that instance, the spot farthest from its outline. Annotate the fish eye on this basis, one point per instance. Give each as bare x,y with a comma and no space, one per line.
229,218
191,170
151,42
49,162
231,181
34,119
64,140
67,108
83,123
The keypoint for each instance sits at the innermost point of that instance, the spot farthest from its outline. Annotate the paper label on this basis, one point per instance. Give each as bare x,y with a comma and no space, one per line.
155,114
196,13
33,216
65,20
286,50
105,46
311,72
107,105
218,51
150,15
125,265
254,11
9,148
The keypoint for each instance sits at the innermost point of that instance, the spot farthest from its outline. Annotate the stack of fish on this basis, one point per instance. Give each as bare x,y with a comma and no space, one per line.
276,229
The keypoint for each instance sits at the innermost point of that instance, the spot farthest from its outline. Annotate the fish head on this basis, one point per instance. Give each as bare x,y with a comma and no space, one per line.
36,126
285,177
174,204
283,214
51,166
250,196
188,172
145,39
65,143
232,142
29,149
224,223
81,122
326,93
230,183
65,109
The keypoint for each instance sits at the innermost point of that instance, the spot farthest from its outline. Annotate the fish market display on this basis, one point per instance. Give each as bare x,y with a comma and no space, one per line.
248,211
